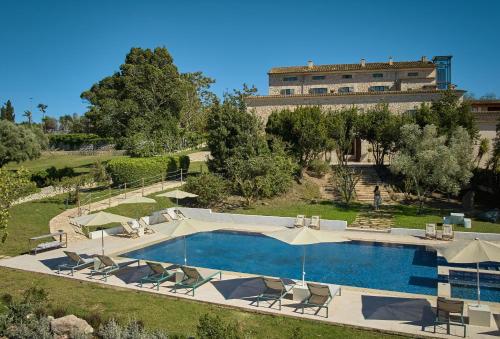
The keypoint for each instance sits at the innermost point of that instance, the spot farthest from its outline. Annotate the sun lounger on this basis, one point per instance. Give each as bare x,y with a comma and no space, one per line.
448,232
275,290
108,266
158,275
145,225
300,221
129,231
320,296
315,222
179,214
194,279
430,231
77,262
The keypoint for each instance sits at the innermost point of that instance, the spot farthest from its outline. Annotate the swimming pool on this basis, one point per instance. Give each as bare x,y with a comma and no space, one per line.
464,285
403,268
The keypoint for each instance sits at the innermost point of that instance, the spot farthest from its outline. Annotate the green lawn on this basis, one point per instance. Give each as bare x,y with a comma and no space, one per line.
29,220
174,315
284,208
407,217
80,163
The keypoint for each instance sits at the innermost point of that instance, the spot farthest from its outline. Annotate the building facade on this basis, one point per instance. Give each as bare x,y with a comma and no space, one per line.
402,85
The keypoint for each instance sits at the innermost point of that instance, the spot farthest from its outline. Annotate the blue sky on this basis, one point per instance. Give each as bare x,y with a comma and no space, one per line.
53,50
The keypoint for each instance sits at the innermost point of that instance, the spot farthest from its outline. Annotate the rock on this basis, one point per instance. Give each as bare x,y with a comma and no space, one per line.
67,325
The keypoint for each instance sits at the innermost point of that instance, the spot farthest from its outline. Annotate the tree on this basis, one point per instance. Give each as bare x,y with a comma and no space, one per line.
303,130
447,114
342,127
210,188
28,115
483,149
380,128
17,143
66,123
494,163
42,108
7,112
232,131
198,99
49,124
147,95
433,162
345,179
13,185
261,176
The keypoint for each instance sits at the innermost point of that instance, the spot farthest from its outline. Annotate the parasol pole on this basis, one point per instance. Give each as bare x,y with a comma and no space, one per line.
102,240
304,267
185,252
478,289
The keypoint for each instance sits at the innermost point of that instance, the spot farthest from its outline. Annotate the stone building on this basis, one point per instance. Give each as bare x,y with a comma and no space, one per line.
403,85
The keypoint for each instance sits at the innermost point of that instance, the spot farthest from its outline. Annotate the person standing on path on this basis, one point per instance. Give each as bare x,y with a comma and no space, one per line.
377,199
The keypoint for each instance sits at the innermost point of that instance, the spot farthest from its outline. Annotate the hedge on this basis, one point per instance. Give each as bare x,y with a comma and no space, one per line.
74,141
132,170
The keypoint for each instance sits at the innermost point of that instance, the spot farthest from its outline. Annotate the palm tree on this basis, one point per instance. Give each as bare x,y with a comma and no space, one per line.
42,108
27,114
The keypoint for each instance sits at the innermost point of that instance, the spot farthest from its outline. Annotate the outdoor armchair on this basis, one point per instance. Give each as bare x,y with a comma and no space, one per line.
445,309
77,262
300,221
158,275
315,222
430,231
194,279
320,296
275,290
448,232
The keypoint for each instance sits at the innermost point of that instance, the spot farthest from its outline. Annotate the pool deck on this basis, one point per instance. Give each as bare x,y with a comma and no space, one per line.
404,313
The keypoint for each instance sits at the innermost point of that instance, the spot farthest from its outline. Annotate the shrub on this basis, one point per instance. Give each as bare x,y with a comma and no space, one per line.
132,170
213,327
74,141
49,176
318,168
210,188
132,330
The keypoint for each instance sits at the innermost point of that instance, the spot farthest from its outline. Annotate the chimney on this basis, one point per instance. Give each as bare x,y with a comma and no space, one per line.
424,58
390,61
310,64
363,62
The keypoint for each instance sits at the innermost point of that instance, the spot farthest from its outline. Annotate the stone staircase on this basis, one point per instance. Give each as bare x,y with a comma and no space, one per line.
366,185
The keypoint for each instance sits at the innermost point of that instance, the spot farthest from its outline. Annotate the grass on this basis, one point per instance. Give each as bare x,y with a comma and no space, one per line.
29,220
80,163
176,316
406,216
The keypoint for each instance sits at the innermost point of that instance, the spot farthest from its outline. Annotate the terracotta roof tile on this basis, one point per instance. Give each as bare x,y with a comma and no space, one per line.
352,67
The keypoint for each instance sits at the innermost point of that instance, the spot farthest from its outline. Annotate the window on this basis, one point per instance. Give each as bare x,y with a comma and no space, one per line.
378,88
318,77
319,90
346,76
378,75
346,89
290,79
287,91
413,74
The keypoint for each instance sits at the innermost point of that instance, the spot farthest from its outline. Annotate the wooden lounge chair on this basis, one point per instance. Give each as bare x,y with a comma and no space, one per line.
129,231
109,266
145,225
447,232
445,309
300,221
194,279
77,262
315,222
158,275
320,296
275,290
180,215
430,231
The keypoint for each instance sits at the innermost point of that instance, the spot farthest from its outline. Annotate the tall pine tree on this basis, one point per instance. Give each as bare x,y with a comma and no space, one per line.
7,112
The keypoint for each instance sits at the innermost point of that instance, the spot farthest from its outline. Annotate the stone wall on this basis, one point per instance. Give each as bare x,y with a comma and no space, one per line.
399,102
361,81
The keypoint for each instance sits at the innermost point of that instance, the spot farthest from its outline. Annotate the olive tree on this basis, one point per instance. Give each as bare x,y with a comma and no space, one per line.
17,143
432,162
343,127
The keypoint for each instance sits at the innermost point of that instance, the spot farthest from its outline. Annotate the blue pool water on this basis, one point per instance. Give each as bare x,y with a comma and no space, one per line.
403,268
464,285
